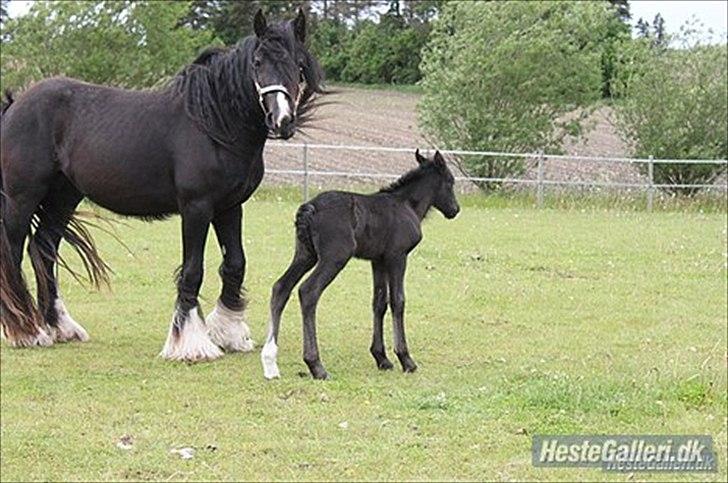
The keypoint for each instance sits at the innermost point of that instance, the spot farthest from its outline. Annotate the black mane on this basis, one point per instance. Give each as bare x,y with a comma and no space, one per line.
219,93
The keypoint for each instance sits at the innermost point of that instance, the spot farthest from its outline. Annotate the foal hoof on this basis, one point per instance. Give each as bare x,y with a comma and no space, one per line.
321,376
409,366
385,365
319,373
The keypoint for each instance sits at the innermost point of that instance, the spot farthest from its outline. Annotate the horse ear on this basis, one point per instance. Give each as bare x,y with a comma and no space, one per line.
259,23
299,26
420,159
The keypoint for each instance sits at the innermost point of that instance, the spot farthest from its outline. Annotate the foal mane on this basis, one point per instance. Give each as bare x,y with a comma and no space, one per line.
410,177
219,93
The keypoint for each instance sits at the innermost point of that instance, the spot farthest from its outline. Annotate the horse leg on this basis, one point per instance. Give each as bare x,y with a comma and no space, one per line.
226,323
188,339
309,294
303,261
58,207
22,324
379,308
397,269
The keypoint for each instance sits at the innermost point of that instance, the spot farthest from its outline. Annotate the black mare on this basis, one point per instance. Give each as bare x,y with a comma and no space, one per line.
193,147
382,227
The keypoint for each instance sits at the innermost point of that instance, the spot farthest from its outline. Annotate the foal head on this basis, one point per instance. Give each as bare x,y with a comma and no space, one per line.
286,75
444,200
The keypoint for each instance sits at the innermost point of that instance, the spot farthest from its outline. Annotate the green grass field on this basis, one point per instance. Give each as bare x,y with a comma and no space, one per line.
522,322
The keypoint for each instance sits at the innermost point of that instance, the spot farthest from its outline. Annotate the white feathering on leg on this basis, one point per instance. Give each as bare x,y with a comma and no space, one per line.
227,329
67,329
191,343
41,339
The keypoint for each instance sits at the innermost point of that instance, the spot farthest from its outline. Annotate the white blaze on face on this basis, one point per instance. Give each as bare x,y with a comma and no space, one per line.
284,108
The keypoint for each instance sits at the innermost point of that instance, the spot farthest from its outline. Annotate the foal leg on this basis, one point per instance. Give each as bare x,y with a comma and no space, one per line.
226,323
187,339
379,308
309,294
58,207
397,268
303,261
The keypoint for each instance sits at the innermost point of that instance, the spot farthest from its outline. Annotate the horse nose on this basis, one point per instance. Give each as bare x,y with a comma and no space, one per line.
286,127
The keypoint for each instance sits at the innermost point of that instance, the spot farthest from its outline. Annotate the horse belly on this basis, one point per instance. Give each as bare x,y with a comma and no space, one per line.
131,187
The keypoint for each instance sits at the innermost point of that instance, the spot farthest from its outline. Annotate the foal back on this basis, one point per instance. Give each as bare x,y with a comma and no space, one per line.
368,227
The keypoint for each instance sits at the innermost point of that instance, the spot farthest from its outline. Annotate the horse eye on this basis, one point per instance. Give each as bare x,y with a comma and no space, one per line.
256,63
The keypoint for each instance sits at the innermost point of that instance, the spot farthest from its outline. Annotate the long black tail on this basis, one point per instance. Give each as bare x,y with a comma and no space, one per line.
20,320
7,102
303,225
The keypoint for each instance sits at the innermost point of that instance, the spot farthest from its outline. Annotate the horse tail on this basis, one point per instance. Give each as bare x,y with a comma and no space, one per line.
304,215
7,102
76,233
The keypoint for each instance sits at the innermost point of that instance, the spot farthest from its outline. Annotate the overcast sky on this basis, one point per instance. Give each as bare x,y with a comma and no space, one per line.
713,14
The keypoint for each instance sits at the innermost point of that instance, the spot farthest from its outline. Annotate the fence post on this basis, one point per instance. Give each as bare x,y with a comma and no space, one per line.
305,172
539,186
651,182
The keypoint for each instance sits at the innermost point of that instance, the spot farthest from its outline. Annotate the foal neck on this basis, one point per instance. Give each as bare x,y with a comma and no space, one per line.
419,194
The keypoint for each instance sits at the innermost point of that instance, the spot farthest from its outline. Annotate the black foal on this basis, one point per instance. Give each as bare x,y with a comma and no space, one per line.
382,227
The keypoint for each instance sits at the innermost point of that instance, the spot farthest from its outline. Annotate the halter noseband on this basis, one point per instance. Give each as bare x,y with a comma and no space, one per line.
269,89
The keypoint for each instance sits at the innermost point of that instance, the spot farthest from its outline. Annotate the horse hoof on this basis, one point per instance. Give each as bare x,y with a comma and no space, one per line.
188,341
227,329
40,339
67,329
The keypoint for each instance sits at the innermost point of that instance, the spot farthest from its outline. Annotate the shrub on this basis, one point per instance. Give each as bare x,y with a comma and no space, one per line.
497,75
675,105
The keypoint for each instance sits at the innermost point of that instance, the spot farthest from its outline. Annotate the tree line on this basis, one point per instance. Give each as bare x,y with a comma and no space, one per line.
504,76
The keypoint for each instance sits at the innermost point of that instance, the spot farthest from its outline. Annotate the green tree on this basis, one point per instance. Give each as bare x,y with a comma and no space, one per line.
675,105
232,20
132,44
497,75
658,27
643,28
384,52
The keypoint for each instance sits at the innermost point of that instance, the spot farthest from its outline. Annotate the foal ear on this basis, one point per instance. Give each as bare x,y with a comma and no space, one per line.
439,159
420,159
299,26
259,23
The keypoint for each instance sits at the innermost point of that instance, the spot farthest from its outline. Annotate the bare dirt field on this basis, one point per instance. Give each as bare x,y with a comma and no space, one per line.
367,117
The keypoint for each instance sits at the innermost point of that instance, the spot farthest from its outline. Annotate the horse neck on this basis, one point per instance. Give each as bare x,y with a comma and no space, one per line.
418,194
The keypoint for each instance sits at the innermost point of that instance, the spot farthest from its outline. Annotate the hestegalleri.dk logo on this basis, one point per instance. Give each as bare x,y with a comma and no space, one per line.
665,453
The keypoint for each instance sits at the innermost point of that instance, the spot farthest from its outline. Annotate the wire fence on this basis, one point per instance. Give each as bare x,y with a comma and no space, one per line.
538,183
